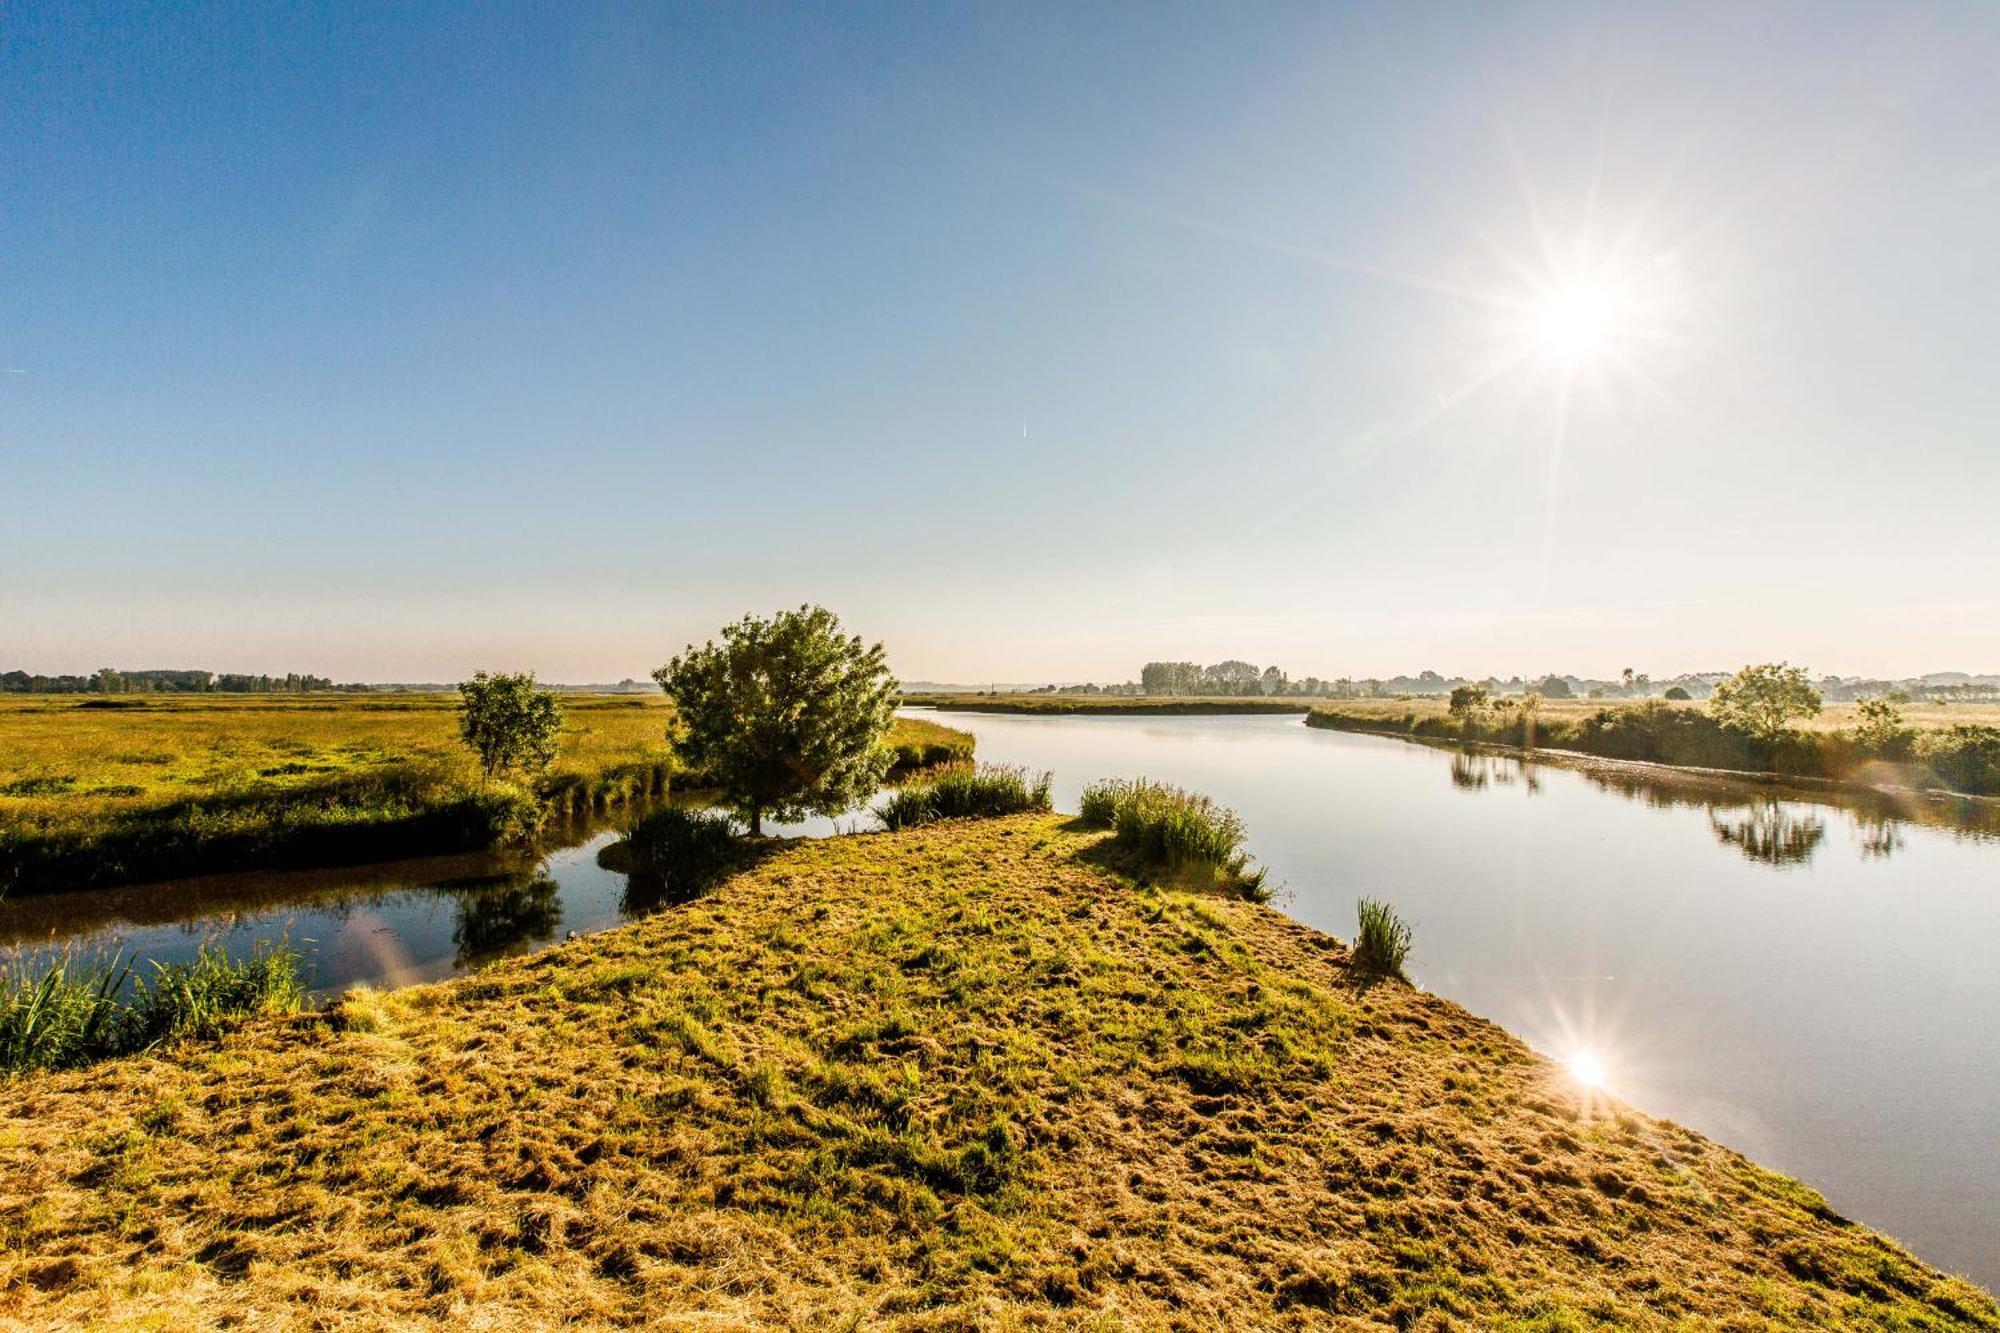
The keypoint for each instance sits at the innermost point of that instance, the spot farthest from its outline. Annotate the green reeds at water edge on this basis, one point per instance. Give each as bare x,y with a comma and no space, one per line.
1182,831
1381,940
966,792
72,1013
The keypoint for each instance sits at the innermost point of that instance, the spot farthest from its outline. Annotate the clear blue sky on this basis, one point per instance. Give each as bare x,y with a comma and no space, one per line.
394,341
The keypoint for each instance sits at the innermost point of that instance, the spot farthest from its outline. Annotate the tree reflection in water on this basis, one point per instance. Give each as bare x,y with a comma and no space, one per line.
1474,772
504,915
1881,836
1766,831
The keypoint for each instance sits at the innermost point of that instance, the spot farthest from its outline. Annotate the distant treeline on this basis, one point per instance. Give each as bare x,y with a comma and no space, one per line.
1236,678
110,680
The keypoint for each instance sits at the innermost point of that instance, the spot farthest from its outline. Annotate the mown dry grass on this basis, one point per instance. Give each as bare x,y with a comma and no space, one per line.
154,786
962,1076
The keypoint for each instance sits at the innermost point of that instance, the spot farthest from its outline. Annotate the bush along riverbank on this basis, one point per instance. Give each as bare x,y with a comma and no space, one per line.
972,1073
1963,759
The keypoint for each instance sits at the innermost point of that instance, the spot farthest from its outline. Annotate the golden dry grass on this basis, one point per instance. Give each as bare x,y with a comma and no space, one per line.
964,1076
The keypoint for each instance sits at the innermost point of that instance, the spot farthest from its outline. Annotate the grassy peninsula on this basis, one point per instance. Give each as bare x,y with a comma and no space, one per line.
972,1074
98,790
1953,748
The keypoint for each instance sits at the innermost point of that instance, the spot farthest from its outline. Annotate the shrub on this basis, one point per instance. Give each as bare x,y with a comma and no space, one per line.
1761,700
984,792
1965,758
1677,694
74,1014
1882,731
1382,940
1182,831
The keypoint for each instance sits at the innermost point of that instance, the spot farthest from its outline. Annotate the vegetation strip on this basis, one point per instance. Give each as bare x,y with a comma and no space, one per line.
1103,704
1874,750
179,785
968,1074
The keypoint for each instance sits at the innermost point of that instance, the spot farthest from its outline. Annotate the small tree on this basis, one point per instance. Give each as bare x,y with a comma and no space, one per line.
1762,699
1467,700
1882,728
786,714
1555,687
508,722
1677,694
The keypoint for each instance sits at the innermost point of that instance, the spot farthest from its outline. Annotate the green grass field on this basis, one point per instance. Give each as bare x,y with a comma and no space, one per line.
113,789
970,1075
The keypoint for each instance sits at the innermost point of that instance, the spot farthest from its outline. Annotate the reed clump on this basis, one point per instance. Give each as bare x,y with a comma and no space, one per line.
1181,831
74,1012
966,792
1381,941
687,851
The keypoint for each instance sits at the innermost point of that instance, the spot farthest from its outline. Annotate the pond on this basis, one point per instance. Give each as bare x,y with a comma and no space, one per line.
1808,977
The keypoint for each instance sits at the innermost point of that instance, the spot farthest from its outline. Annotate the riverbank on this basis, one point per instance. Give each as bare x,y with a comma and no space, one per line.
1103,704
1963,758
965,1074
116,790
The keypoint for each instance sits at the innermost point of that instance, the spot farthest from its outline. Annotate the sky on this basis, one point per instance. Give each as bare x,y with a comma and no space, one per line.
1037,341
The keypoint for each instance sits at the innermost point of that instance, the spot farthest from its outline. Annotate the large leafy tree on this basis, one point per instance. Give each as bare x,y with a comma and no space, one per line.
509,722
785,715
1763,699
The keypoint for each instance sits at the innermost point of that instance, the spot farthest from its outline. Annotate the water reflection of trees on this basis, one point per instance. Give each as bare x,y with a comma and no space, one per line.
1770,833
1475,772
1774,824
1880,836
505,915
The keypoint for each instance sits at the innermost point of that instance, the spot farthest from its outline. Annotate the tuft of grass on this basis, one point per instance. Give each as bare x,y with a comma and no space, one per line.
76,1013
1179,830
966,792
1382,940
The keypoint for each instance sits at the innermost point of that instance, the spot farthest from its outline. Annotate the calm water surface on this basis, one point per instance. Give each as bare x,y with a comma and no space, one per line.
1809,979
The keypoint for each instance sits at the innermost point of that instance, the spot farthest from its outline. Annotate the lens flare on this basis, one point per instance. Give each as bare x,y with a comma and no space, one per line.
1586,1069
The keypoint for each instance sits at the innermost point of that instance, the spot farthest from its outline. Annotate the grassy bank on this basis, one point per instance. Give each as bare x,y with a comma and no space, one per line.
965,1075
98,791
1963,756
1158,705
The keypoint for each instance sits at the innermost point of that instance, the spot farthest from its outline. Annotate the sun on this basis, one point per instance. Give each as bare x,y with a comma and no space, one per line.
1576,324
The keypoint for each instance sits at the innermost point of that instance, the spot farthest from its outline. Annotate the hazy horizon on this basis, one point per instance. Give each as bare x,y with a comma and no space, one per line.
1036,342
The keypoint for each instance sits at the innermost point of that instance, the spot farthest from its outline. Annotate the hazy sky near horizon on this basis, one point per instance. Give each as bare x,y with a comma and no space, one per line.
1038,341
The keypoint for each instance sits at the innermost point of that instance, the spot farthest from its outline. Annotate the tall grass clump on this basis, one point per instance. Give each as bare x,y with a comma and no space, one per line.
690,850
74,1013
1182,831
1381,941
983,792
